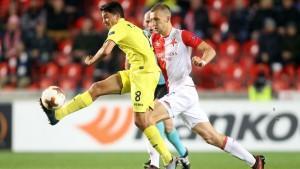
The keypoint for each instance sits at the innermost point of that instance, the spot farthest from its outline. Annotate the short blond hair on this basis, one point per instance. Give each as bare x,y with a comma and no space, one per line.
161,7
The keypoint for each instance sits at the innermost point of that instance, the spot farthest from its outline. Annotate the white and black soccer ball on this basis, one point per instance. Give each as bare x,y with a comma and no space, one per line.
53,97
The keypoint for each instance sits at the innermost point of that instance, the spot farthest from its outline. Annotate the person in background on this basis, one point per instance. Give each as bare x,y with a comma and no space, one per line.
34,14
290,45
197,20
261,90
269,43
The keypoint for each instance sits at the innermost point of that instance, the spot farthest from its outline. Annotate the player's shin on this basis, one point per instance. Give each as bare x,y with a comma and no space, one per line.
173,137
78,102
161,128
154,155
157,142
234,148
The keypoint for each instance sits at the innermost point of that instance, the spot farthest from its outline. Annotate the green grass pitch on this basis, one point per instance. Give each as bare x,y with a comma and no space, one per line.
8,160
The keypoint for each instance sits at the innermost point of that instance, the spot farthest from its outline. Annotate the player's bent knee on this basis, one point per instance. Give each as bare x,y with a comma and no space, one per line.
141,120
110,85
96,89
141,125
155,117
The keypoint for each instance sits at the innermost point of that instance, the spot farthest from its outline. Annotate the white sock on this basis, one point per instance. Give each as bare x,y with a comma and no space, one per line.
154,155
235,149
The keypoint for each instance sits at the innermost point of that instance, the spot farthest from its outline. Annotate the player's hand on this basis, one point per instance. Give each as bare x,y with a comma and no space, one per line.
88,60
198,61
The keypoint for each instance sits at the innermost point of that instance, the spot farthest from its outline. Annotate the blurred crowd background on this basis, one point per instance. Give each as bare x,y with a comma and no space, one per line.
42,42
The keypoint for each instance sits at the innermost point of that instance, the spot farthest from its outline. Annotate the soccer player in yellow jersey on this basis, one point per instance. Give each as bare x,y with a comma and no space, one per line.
140,80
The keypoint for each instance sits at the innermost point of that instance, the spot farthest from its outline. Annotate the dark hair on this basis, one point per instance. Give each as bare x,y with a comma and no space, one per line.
160,6
114,8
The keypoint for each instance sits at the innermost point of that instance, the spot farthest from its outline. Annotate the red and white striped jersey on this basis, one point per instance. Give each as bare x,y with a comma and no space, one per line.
174,56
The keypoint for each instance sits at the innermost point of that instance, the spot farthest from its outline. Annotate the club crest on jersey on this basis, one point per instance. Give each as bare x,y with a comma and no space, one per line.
173,42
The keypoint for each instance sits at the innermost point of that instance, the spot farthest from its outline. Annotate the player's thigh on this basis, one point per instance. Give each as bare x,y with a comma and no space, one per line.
110,85
158,113
125,80
178,101
194,115
143,85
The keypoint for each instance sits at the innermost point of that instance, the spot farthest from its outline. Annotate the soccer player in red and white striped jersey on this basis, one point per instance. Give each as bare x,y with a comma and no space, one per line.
173,47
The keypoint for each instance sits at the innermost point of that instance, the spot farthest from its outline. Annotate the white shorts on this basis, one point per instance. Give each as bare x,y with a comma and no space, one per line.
184,101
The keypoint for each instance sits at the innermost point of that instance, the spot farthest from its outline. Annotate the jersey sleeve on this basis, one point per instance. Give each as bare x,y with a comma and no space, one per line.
116,34
190,39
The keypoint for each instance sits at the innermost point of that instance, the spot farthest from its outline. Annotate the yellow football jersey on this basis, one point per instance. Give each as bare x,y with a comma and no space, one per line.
132,41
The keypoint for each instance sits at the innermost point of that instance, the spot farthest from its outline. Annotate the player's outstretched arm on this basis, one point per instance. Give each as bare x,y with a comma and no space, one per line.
105,50
208,54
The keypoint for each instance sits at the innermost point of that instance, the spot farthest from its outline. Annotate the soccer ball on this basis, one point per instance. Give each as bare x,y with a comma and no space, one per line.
53,97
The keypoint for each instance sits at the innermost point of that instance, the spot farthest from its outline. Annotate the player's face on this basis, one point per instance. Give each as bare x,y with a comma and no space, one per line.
109,19
147,24
159,21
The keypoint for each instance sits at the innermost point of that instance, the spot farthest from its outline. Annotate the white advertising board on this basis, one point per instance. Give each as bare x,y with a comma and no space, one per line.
107,125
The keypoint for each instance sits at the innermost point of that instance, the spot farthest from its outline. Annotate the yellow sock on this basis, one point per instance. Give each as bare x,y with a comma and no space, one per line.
78,102
157,142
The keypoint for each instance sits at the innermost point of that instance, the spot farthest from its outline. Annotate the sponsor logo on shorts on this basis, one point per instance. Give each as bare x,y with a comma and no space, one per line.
138,104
